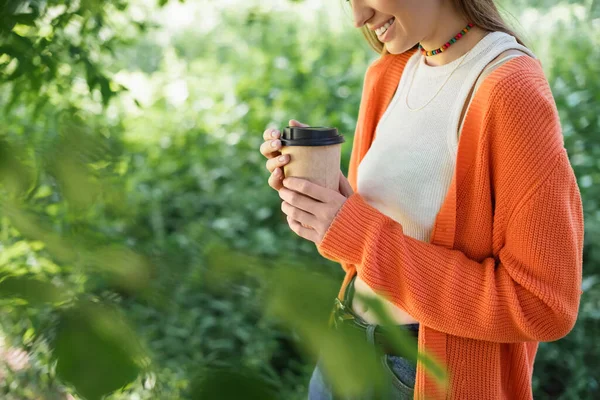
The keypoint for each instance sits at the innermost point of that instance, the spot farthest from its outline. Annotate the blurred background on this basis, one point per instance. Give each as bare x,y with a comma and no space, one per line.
143,254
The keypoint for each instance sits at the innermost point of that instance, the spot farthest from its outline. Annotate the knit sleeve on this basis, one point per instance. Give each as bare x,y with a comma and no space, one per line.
529,292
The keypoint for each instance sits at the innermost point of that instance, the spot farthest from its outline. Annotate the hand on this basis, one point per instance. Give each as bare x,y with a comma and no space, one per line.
345,187
273,154
312,205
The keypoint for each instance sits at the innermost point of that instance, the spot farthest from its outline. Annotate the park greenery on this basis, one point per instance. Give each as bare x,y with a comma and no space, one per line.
142,253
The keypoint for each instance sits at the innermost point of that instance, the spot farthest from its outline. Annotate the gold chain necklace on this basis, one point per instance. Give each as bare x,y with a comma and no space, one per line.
438,91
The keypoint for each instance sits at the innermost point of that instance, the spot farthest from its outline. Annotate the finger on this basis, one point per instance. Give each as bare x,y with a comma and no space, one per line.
267,149
299,200
271,133
276,162
293,122
306,233
275,179
345,187
307,188
299,215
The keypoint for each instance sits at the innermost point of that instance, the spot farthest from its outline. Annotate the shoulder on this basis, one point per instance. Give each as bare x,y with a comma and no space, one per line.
519,87
518,114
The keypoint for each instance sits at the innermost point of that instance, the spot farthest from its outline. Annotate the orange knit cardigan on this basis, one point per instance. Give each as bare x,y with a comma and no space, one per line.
503,268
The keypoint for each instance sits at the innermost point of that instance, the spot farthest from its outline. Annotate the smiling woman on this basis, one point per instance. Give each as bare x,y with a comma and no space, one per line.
460,186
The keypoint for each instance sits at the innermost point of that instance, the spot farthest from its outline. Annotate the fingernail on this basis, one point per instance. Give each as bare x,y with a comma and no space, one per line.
277,172
274,133
274,143
282,158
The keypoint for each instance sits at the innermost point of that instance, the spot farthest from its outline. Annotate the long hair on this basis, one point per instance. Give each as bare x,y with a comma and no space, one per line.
482,13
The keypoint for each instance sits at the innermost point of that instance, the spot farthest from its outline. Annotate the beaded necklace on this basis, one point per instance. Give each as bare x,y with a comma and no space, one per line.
448,43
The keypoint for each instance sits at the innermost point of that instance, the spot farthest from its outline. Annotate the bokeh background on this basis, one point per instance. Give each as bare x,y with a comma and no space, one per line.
142,253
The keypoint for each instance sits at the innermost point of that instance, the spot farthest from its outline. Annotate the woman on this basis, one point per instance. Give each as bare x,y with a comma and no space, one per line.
464,217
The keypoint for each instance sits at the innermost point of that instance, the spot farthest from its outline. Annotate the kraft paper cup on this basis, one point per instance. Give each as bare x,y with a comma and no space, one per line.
315,155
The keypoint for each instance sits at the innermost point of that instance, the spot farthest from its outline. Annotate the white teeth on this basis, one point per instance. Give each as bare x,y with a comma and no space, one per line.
384,28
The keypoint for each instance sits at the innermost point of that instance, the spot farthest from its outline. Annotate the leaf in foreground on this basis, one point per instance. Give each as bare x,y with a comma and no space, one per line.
97,353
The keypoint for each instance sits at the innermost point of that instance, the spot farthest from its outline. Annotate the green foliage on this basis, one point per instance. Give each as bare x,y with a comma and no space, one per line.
143,253
40,54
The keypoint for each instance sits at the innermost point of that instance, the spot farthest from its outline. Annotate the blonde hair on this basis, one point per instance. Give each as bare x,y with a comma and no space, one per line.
482,13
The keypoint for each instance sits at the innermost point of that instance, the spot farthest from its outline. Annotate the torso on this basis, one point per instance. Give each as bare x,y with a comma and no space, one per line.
361,288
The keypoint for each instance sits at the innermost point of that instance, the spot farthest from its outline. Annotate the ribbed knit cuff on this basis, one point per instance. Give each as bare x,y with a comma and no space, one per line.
356,224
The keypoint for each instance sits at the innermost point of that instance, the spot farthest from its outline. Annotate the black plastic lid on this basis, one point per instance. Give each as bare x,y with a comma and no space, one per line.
310,136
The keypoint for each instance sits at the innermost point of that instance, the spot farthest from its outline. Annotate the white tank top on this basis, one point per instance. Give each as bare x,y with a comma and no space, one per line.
408,169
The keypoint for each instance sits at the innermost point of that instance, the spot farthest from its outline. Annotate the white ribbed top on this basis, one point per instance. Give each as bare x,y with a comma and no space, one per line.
408,169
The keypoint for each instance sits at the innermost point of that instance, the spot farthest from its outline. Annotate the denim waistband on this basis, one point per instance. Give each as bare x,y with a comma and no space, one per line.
349,294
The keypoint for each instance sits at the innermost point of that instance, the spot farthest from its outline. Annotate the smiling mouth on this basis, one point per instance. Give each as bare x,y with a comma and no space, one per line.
381,31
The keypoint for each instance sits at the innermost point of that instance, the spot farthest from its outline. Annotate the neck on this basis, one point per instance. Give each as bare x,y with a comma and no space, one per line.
446,31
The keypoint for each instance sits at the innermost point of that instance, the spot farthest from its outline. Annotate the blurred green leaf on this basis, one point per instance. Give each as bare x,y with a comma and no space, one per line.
16,176
34,228
303,301
127,269
95,350
231,384
30,289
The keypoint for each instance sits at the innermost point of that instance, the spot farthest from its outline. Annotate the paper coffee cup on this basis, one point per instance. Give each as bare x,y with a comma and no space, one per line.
315,155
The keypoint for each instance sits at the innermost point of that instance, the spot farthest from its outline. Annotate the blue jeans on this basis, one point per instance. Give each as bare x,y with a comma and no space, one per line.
400,373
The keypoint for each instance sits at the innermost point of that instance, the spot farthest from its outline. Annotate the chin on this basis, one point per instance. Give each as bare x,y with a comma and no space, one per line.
398,48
